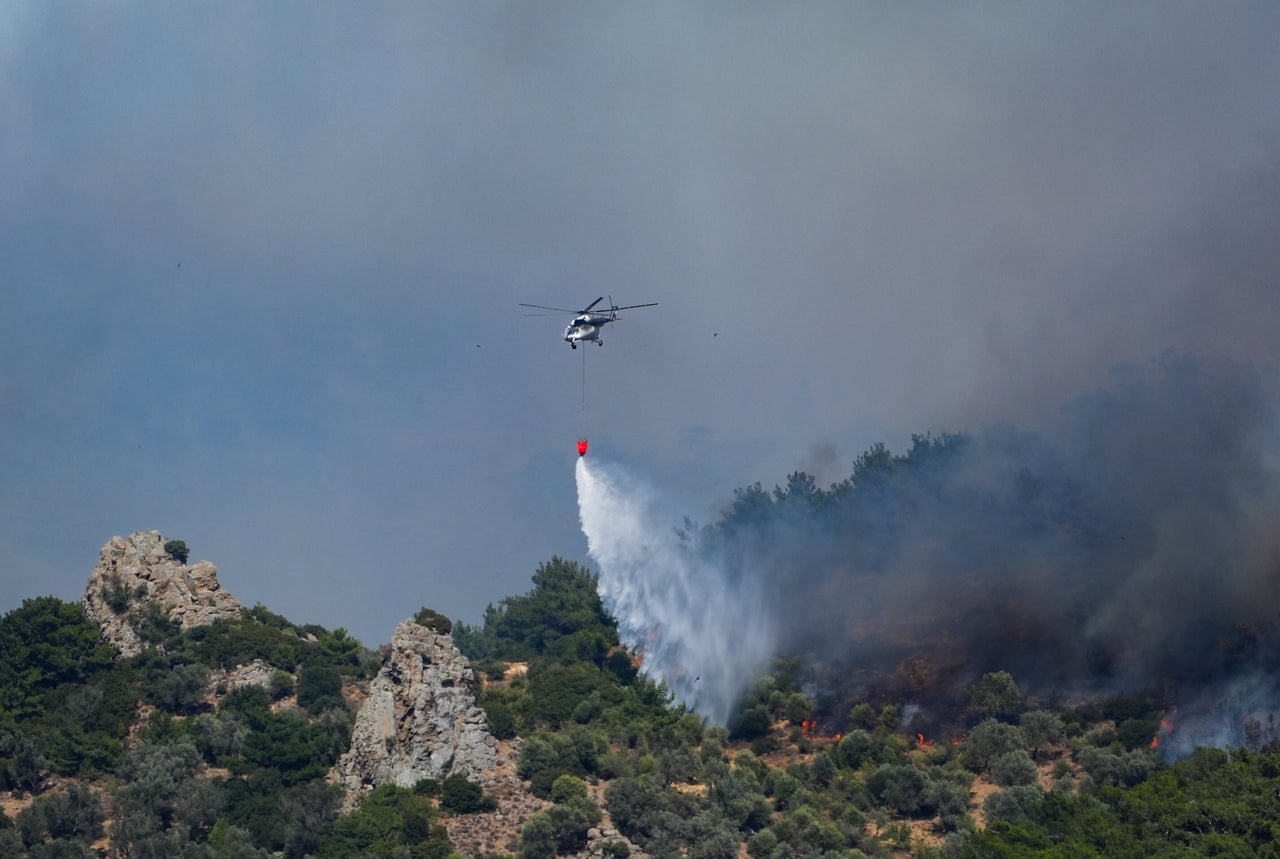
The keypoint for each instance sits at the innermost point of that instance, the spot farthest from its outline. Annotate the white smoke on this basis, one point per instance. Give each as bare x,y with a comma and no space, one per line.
702,628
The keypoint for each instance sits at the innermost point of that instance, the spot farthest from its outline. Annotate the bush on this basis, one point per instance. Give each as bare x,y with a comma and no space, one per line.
988,741
74,815
433,620
863,716
797,708
464,797
858,748
390,821
117,597
1013,768
295,749
570,821
1125,769
566,787
177,550
538,838
750,723
319,688
995,696
502,721
282,685
899,787
1014,804
182,690
28,768
1041,728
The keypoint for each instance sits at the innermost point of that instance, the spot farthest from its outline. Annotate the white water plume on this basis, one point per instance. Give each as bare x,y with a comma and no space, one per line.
701,628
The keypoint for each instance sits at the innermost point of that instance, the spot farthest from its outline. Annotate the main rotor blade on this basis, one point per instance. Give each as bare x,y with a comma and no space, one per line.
634,306
592,304
544,307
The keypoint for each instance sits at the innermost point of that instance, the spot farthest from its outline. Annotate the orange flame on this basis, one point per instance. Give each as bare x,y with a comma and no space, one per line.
809,727
925,744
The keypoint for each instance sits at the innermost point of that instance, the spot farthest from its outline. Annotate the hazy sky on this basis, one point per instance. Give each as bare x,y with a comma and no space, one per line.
260,262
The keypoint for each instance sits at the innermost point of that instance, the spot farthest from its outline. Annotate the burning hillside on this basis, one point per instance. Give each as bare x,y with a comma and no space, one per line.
1131,546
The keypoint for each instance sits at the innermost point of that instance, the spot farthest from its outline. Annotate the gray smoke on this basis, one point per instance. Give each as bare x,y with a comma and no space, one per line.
1131,546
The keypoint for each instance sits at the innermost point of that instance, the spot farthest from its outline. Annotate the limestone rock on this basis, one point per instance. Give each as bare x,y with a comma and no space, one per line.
256,673
135,571
611,840
420,719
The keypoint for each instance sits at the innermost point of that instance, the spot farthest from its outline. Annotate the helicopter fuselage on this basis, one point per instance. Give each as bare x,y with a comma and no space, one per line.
586,326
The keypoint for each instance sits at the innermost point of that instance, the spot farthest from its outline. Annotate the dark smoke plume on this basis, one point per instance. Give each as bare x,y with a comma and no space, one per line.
1132,547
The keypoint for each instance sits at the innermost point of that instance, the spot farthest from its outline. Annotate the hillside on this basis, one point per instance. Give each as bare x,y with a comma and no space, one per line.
248,735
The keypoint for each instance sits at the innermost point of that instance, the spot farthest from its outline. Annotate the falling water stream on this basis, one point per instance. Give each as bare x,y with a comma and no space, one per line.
701,628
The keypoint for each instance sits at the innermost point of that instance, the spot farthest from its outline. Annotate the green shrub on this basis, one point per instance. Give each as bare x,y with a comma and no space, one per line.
502,721
177,550
570,821
319,688
464,797
1013,768
282,685
433,620
117,597
567,787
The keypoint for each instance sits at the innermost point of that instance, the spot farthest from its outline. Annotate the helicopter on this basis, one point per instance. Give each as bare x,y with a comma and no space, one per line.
586,325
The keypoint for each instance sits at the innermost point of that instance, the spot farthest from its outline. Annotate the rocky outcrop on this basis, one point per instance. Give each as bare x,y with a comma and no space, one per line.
256,673
611,841
420,719
134,572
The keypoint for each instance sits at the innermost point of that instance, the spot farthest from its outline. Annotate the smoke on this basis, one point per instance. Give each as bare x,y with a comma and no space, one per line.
700,625
1131,546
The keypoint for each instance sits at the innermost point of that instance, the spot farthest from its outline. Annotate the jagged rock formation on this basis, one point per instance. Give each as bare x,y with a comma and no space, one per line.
136,571
420,719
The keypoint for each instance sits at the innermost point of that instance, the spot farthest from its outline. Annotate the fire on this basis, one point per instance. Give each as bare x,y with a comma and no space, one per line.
809,727
925,744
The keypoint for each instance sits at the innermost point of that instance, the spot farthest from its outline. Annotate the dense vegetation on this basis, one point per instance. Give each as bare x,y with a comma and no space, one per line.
67,707
163,755
240,777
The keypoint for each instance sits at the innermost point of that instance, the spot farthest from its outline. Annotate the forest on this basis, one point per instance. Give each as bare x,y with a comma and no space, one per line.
153,756
243,779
